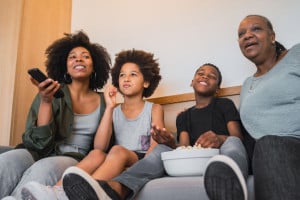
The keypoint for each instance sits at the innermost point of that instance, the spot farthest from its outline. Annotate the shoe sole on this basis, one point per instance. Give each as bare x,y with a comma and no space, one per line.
232,166
74,189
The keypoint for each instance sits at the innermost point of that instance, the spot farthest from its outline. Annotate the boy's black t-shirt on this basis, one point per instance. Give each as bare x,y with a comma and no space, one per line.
215,117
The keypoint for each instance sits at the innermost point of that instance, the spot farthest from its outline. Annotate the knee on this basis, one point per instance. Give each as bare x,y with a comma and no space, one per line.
155,154
232,143
53,163
118,150
265,144
265,140
18,157
96,154
159,148
233,139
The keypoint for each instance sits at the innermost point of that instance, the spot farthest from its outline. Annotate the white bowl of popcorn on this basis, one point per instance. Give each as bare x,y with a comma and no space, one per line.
187,161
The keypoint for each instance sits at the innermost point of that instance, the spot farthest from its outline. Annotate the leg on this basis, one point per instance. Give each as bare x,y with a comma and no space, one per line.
142,172
78,185
46,171
225,175
90,162
117,160
276,168
13,163
5,149
234,149
35,190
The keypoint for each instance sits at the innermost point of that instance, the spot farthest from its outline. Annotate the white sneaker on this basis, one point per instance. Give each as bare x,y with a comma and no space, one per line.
36,191
223,179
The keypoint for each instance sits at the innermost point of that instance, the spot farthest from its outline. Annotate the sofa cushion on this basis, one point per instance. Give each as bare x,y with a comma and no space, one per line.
175,188
179,188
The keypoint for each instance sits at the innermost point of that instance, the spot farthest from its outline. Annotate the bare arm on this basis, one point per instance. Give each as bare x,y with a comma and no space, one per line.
104,131
162,136
157,118
184,139
234,129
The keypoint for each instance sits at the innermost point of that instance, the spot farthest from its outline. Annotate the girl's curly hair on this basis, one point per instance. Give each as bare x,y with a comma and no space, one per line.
57,54
146,63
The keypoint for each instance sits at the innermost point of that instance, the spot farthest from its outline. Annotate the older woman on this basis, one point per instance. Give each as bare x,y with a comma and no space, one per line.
269,109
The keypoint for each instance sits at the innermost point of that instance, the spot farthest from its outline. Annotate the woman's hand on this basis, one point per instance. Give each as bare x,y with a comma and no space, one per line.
46,89
210,139
162,136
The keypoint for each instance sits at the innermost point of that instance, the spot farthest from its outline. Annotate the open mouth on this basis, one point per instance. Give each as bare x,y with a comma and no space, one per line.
203,83
79,67
250,44
126,86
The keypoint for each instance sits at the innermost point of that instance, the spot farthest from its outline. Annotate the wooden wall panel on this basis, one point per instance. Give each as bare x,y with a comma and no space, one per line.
10,17
179,98
43,21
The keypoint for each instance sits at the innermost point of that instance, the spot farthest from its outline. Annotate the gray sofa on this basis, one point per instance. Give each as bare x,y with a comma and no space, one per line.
181,188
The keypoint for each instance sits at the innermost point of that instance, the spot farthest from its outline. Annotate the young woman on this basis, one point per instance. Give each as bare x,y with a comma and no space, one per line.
136,75
57,134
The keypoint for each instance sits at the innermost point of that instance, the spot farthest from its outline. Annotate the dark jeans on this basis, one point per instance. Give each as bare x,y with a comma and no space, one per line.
276,168
146,169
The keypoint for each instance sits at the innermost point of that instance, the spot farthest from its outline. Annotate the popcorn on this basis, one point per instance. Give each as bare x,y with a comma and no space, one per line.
198,146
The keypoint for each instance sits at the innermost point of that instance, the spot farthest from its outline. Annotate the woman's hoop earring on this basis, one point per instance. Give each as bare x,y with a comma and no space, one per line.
93,80
67,78
95,76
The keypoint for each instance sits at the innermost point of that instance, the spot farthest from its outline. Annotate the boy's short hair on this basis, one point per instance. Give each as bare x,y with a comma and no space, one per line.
218,70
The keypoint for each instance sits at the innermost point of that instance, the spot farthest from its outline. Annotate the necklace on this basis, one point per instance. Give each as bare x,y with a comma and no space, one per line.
254,83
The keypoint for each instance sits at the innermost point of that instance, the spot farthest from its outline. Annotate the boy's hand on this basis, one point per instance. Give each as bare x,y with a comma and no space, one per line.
209,139
162,136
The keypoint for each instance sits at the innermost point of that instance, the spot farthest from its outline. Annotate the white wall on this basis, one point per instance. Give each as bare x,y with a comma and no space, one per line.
183,34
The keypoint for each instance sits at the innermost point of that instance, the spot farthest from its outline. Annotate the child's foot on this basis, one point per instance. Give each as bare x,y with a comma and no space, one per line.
36,191
79,185
223,179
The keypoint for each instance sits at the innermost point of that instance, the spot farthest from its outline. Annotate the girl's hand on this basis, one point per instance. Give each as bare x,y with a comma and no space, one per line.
110,95
46,89
209,139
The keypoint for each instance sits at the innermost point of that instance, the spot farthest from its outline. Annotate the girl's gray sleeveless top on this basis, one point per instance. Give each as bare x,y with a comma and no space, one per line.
134,134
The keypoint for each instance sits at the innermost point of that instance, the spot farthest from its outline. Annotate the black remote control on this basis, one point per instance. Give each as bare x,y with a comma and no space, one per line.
38,75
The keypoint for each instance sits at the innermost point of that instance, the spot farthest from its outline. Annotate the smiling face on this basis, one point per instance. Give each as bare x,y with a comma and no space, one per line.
256,39
131,80
79,63
205,81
